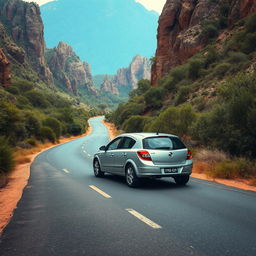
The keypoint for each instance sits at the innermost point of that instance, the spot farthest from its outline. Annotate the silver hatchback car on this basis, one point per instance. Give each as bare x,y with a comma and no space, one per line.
144,155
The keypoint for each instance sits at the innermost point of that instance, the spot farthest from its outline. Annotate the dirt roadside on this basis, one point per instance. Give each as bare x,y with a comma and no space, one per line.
18,179
232,183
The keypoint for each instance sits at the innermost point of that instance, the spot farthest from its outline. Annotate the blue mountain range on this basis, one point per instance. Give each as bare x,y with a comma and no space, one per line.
105,33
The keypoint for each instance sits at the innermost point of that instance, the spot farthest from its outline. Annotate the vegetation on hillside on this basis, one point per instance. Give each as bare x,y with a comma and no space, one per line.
210,99
30,115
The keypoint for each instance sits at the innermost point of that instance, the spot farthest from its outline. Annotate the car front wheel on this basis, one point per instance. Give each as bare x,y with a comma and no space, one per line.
181,180
97,169
131,178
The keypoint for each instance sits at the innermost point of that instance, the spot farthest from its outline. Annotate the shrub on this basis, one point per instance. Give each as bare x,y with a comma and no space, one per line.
46,133
31,142
6,156
54,124
32,124
225,170
237,57
221,69
182,94
24,86
210,28
134,124
251,23
154,97
75,129
37,99
248,44
195,65
13,90
176,120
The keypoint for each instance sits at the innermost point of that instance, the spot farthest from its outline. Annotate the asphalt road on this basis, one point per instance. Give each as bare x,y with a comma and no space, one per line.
60,214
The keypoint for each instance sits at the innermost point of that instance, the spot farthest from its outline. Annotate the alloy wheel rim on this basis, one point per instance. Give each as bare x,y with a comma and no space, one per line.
96,167
130,175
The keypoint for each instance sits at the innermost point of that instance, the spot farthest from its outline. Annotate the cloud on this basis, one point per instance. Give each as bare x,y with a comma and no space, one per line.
156,5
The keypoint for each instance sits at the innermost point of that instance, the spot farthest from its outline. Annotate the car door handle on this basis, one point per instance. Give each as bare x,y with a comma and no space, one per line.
112,155
124,154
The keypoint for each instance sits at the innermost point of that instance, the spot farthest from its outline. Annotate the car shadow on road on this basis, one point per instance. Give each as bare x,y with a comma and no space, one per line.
149,184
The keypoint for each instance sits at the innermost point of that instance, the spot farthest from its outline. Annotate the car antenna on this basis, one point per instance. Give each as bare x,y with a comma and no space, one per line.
157,133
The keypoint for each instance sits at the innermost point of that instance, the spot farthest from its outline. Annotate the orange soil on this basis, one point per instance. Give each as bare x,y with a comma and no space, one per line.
18,179
112,131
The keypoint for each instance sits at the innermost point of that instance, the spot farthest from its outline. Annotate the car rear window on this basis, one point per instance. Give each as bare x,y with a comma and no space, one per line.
163,143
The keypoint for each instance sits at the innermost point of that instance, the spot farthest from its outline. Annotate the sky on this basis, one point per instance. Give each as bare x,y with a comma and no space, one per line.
156,5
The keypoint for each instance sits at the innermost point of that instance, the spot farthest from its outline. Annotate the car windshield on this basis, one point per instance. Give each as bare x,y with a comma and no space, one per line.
163,143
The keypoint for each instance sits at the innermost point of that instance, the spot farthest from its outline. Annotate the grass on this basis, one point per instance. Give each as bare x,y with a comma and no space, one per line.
217,164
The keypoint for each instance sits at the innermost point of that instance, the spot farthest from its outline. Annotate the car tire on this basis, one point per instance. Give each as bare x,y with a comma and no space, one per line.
97,169
181,180
130,176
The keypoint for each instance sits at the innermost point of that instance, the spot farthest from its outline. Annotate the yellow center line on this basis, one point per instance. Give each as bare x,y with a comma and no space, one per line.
65,170
144,219
100,191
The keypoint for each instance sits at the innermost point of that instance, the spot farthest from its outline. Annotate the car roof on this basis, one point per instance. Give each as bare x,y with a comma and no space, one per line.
143,135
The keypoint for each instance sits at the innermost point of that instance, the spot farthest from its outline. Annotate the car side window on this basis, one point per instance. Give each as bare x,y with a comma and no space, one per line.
127,143
114,144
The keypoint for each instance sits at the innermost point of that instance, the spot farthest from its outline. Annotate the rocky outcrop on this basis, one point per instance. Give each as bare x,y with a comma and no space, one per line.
26,29
140,68
180,26
108,86
5,70
68,69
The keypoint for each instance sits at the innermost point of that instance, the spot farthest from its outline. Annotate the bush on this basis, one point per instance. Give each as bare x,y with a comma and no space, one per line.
195,65
54,124
154,97
176,120
248,44
46,133
31,142
221,69
182,94
75,129
37,99
13,90
24,86
251,23
135,124
210,28
32,124
6,156
237,57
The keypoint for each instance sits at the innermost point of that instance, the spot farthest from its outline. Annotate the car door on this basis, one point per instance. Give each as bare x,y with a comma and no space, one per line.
126,144
110,163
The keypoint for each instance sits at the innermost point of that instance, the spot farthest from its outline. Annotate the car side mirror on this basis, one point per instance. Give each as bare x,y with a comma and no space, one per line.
103,148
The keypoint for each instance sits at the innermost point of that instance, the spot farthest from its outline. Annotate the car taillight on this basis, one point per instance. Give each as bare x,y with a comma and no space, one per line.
144,155
189,155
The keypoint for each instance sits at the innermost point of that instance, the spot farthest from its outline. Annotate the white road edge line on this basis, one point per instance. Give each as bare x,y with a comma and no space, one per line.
144,219
65,170
100,191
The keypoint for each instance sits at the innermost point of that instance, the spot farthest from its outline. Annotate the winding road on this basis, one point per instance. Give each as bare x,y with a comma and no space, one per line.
66,211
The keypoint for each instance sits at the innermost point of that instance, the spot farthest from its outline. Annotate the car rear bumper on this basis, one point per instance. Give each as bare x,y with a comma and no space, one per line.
157,171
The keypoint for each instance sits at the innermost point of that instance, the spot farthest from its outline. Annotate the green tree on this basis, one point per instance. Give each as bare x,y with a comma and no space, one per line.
54,124
6,156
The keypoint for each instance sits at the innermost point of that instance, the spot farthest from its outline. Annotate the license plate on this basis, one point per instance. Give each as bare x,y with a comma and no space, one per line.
171,170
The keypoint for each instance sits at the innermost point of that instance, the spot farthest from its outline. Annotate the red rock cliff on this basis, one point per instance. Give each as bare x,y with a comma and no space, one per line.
68,69
179,31
26,29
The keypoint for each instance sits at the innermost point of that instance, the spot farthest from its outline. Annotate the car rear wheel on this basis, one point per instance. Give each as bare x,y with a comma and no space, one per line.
182,180
131,178
97,169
